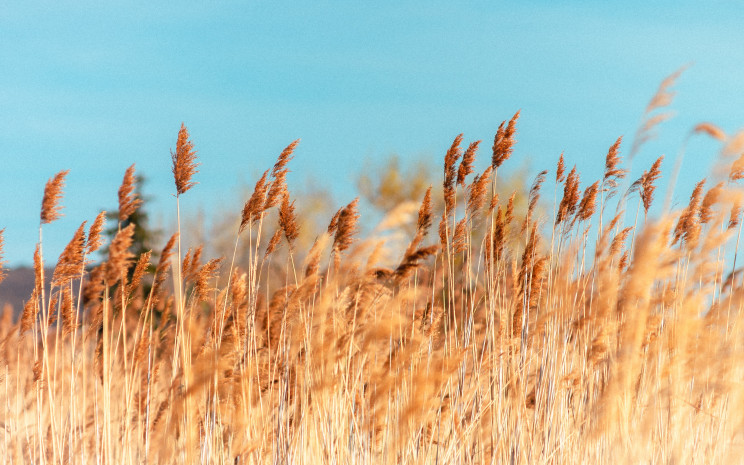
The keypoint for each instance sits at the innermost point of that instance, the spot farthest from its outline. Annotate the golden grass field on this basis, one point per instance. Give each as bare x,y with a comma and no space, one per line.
586,329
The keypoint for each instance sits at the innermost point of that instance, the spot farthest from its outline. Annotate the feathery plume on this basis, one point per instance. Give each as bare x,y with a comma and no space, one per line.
612,173
466,165
711,198
560,172
735,215
533,197
509,215
94,234
31,308
688,227
450,173
459,239
333,225
570,197
663,98
347,227
254,206
128,203
67,312
161,271
477,191
273,242
425,212
191,263
710,129
647,181
203,275
70,262
50,208
737,169
412,260
119,255
312,261
588,202
279,175
288,220
139,271
443,230
184,162
503,142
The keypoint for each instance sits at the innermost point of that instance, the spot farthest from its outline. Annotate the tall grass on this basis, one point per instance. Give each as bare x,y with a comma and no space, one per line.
597,335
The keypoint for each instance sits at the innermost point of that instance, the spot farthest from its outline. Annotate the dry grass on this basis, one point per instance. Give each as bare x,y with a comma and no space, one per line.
502,340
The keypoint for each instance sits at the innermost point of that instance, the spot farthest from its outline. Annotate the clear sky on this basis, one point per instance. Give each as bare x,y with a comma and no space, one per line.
96,86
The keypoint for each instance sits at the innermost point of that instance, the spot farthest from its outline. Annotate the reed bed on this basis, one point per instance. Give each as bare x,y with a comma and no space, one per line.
596,331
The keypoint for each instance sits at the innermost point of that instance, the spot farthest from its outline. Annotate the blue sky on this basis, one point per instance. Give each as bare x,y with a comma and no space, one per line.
97,86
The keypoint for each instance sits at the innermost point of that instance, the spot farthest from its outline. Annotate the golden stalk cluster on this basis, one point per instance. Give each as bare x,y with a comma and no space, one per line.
508,338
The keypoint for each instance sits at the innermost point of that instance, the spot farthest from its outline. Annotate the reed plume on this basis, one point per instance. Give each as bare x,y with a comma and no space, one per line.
466,165
646,183
450,173
711,130
560,170
503,142
128,202
95,240
346,228
119,255
288,220
50,208
570,197
688,225
709,200
184,162
613,174
254,206
588,202
279,176
71,260
533,197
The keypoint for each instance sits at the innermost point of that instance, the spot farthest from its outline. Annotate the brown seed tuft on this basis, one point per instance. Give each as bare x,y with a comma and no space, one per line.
128,203
466,166
273,242
459,240
710,199
588,202
253,208
184,162
477,191
503,142
647,181
347,227
570,197
70,262
279,176
710,129
50,208
688,226
202,277
534,197
560,172
450,173
735,215
288,220
425,212
119,255
94,234
139,271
